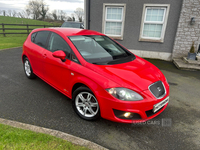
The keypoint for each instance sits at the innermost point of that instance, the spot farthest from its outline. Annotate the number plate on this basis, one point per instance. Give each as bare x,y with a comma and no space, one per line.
157,106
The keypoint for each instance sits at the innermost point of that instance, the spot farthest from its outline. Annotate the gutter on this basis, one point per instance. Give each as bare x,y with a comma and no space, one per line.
88,15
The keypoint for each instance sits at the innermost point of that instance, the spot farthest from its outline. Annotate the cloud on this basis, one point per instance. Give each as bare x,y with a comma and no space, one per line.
71,1
69,6
13,4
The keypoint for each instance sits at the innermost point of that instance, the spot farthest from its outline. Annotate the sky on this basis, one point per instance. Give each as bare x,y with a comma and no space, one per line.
69,6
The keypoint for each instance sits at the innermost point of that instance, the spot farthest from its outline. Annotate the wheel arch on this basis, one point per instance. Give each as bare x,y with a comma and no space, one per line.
84,81
76,86
23,57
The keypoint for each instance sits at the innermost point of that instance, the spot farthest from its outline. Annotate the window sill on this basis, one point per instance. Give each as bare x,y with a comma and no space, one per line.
115,37
151,40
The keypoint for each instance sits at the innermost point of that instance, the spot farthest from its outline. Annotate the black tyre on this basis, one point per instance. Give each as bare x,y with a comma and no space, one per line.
27,69
85,104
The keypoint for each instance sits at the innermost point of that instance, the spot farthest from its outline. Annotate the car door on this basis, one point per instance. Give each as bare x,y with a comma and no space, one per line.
57,71
37,49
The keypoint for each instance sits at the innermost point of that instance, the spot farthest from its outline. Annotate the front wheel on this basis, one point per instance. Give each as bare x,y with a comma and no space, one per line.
28,69
85,104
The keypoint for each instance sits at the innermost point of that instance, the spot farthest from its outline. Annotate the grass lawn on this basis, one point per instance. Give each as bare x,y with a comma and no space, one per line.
14,138
12,41
17,40
15,20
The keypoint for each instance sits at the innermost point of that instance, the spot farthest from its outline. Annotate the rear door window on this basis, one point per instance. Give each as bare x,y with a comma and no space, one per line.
33,37
41,38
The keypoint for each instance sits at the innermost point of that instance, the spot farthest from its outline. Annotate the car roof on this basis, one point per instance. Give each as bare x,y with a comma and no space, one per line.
70,31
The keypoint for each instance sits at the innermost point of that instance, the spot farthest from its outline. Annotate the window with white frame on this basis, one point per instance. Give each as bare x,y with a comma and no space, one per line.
154,22
113,20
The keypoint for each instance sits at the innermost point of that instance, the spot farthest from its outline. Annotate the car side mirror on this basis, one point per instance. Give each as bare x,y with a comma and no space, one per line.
59,54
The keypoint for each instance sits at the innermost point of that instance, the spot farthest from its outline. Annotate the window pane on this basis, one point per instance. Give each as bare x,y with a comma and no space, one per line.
41,38
109,10
152,30
58,43
148,18
114,10
113,28
114,13
157,34
149,11
158,27
160,18
145,34
152,27
161,12
33,36
146,26
154,14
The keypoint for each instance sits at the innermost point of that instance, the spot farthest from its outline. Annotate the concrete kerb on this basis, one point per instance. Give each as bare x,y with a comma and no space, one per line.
59,134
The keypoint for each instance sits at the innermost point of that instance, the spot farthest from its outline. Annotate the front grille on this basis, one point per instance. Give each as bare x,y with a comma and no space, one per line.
157,89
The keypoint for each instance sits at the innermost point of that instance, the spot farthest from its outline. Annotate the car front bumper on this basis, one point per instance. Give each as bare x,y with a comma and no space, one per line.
141,111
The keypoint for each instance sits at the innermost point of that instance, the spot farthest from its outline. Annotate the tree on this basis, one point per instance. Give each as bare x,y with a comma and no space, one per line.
28,13
73,18
43,9
79,13
33,7
69,18
59,15
37,8
9,13
21,14
4,12
55,15
14,13
62,15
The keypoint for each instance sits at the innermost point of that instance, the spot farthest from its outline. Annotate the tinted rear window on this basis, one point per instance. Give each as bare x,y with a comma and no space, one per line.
41,38
33,36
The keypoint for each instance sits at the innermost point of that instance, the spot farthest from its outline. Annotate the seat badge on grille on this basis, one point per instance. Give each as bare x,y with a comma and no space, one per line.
158,88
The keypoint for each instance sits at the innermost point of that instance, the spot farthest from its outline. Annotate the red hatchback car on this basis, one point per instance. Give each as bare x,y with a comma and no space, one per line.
100,76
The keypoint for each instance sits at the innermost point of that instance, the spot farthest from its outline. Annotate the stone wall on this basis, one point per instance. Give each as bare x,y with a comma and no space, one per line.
187,33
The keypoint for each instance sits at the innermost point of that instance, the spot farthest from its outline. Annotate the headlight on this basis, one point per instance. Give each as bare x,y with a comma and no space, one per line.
124,94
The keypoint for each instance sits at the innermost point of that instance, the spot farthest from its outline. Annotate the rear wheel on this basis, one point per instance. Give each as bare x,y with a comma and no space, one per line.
85,104
27,69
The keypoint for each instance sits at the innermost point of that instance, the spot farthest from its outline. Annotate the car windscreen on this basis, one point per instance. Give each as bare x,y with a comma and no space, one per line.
102,50
71,25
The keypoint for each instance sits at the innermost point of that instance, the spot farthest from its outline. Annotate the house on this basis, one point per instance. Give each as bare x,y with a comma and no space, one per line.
162,29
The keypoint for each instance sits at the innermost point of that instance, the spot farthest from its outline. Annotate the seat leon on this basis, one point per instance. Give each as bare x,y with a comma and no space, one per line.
103,78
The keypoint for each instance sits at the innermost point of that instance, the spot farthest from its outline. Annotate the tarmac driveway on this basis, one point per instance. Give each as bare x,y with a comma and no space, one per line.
35,102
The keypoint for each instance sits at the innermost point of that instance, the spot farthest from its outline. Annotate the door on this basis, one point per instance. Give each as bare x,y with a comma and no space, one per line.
57,72
37,49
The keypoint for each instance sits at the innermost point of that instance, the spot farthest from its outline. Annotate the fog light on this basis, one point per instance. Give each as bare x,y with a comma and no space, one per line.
127,114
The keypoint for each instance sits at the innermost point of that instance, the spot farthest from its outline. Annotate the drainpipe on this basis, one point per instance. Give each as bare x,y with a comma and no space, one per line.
88,14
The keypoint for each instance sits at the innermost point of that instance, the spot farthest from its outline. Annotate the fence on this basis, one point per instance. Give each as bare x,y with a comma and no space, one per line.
25,25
